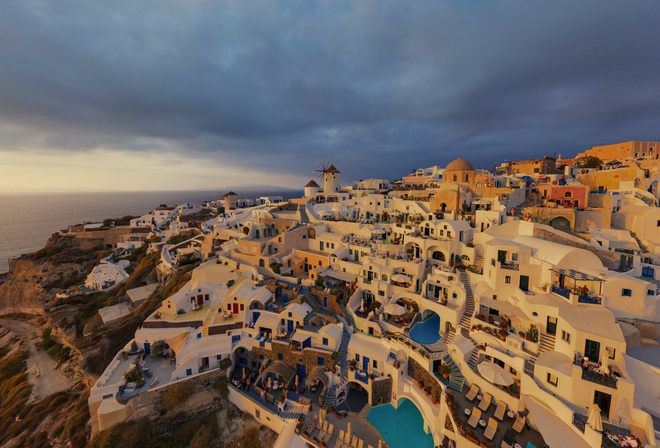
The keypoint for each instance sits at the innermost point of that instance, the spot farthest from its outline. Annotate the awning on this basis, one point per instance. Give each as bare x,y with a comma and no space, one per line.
300,337
268,320
343,276
577,275
176,342
555,431
505,307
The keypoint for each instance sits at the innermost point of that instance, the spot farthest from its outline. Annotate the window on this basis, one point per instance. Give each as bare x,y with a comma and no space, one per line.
325,341
320,361
565,336
552,379
384,277
492,261
658,224
507,279
381,293
218,357
611,352
625,292
514,257
650,292
375,364
453,295
357,357
280,357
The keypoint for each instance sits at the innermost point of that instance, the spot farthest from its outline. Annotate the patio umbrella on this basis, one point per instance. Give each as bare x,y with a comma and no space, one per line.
394,309
594,419
400,278
348,431
270,382
380,444
297,380
605,359
494,373
243,372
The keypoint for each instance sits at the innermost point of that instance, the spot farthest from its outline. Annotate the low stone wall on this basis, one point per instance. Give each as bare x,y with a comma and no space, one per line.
169,324
381,390
222,329
418,373
308,357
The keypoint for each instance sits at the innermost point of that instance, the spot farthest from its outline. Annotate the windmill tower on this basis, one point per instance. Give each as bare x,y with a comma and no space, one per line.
330,174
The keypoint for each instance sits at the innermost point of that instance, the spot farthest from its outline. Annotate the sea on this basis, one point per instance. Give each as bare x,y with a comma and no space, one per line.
28,220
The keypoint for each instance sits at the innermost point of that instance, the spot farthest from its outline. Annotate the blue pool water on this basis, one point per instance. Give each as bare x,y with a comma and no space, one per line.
427,332
402,427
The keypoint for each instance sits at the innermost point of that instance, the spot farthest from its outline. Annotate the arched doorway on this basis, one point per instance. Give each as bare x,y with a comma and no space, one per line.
438,255
561,223
353,398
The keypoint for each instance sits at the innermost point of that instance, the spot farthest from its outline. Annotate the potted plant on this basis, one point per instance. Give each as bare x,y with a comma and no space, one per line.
434,399
427,390
444,370
298,427
351,364
419,384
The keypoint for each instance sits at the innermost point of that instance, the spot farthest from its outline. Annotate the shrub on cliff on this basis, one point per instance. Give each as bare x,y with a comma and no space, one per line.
45,252
177,395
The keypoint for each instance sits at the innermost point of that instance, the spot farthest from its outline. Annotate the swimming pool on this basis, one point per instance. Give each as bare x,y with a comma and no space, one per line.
427,332
402,427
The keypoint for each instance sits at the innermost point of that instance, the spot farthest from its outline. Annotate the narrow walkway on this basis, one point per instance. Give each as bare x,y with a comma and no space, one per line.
331,397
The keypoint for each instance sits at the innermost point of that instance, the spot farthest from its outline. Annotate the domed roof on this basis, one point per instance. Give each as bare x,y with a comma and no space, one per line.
459,165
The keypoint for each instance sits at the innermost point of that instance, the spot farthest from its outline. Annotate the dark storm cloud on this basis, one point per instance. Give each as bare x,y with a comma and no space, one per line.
386,86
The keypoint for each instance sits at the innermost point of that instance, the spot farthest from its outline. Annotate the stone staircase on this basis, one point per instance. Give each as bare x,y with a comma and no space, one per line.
479,262
639,242
293,413
331,397
474,356
207,322
547,343
469,305
456,379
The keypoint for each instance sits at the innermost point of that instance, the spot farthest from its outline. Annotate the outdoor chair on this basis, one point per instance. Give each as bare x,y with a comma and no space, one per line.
501,409
347,439
328,433
509,439
340,440
474,391
474,417
485,402
491,429
322,429
519,424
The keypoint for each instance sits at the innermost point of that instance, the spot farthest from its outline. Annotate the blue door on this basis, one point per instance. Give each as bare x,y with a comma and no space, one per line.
289,326
648,271
147,348
325,302
188,372
365,363
300,370
255,315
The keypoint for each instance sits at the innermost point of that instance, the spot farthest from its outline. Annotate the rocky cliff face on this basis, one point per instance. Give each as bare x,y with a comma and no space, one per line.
31,285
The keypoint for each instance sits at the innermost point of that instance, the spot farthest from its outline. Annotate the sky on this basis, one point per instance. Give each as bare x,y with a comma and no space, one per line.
190,95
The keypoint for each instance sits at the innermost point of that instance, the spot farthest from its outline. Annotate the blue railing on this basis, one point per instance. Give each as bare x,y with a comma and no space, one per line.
361,377
578,422
561,291
595,300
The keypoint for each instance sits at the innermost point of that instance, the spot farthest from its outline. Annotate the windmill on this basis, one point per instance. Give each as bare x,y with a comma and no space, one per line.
329,174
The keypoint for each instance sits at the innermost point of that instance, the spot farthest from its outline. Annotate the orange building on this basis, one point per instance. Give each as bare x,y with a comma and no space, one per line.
648,150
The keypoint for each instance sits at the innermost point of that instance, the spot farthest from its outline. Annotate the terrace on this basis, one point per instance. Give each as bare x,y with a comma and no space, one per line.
462,409
572,284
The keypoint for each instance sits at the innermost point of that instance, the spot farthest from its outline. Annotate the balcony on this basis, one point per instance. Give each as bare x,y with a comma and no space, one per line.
561,291
599,378
594,300
510,266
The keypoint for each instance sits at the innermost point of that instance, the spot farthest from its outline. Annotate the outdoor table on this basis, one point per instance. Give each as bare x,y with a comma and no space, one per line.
467,411
517,445
482,423
510,414
479,397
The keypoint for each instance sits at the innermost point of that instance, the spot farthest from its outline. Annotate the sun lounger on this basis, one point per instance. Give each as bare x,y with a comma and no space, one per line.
322,429
354,442
340,440
485,402
474,391
360,443
347,439
519,424
501,409
491,429
474,417
328,434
